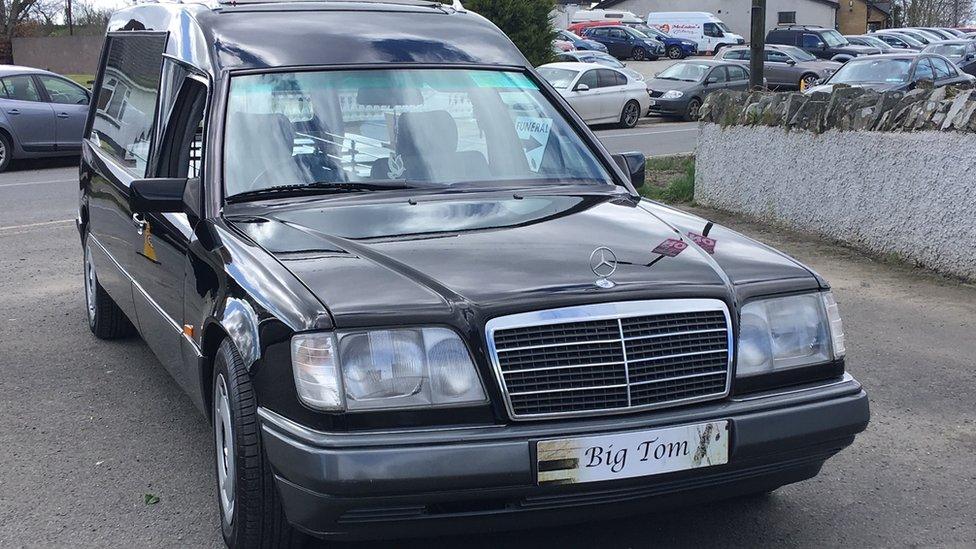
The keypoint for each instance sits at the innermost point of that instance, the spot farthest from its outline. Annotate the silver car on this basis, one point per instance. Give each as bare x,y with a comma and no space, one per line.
785,66
41,114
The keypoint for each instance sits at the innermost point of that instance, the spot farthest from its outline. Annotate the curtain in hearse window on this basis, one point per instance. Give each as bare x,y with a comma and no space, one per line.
126,100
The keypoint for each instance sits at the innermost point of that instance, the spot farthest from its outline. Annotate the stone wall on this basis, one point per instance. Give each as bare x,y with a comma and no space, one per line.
909,191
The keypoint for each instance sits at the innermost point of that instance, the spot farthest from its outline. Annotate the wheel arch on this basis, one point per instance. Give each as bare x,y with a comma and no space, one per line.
841,58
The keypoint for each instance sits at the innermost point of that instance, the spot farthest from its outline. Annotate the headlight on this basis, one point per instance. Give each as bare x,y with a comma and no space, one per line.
375,369
672,94
788,332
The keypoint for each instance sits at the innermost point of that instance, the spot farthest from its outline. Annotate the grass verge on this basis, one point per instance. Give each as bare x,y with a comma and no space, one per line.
84,80
670,179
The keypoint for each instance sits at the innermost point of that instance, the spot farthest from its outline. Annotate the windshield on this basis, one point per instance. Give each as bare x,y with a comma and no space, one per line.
559,78
572,37
910,40
690,72
948,50
872,41
888,71
651,31
833,38
724,27
397,128
797,53
637,33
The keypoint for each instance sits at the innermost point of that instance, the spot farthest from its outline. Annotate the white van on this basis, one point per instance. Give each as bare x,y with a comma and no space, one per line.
584,16
702,27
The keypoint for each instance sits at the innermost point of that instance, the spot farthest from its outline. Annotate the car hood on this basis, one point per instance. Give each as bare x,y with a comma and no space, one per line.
861,50
821,66
369,261
660,84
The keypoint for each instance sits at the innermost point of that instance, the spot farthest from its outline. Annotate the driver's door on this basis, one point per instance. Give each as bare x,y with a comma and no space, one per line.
587,102
70,104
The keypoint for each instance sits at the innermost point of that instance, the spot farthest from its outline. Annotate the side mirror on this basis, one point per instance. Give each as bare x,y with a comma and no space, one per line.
633,164
822,45
791,62
711,80
582,88
159,195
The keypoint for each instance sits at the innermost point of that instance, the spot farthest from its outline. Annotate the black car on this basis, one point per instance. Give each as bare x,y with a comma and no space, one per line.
414,294
624,42
895,72
821,42
961,52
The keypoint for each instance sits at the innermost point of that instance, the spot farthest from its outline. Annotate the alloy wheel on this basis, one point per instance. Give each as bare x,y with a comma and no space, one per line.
808,82
631,114
3,152
639,54
674,52
89,282
224,447
694,109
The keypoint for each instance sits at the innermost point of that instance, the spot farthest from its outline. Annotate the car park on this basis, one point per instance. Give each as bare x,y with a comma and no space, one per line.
680,90
895,72
624,42
42,114
709,32
961,52
599,94
410,290
871,41
819,41
899,41
578,42
784,66
599,58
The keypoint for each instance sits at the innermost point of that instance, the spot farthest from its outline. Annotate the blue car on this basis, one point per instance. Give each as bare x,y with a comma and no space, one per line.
578,42
675,48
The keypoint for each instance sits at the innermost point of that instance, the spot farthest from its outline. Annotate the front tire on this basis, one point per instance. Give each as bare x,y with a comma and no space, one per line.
251,516
105,319
694,110
6,152
808,81
674,52
630,115
639,54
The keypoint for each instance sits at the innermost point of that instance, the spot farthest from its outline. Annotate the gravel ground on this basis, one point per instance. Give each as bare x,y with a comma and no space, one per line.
88,428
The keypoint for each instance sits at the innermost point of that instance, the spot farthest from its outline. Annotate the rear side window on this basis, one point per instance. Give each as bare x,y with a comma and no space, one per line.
63,92
737,73
610,78
942,69
126,104
779,37
20,88
737,55
923,70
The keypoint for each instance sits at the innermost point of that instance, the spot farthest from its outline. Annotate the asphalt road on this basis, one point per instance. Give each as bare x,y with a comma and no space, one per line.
87,427
653,137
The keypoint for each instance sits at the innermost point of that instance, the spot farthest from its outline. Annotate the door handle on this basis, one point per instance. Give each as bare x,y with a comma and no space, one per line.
13,111
139,222
63,115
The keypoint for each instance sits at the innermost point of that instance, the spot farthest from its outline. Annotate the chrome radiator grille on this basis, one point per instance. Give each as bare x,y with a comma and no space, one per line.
610,358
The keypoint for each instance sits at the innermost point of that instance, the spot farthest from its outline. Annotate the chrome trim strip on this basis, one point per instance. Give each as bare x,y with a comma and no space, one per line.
169,320
551,345
846,379
548,368
569,390
623,349
689,376
672,334
297,429
679,355
604,311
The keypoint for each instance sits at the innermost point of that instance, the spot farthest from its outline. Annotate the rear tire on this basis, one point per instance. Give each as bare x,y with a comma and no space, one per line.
808,81
630,115
251,516
6,152
694,108
105,319
639,54
674,52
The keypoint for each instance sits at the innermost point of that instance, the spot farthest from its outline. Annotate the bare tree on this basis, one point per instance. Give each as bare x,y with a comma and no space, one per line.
935,13
13,13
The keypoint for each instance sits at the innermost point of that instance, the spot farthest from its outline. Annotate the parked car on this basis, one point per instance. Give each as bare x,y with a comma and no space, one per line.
599,95
961,52
935,34
624,42
578,42
599,58
895,72
411,292
898,42
823,43
871,41
703,28
920,37
784,66
679,90
578,28
562,45
42,114
675,48
620,16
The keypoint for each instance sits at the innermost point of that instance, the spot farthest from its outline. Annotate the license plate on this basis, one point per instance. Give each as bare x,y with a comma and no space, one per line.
633,454
653,102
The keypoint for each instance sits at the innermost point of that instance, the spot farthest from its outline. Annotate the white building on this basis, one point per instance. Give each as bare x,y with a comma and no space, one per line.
737,13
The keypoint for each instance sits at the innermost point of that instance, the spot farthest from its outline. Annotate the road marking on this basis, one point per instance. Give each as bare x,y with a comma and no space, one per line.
37,183
605,136
33,225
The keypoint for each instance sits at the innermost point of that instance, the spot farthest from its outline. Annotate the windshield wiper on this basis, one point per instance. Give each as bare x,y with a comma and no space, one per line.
318,187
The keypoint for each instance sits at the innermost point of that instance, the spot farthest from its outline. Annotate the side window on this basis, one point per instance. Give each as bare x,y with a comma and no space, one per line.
711,29
63,92
737,73
608,78
942,69
811,41
126,104
602,33
618,34
589,78
923,70
718,75
774,56
737,55
181,146
21,88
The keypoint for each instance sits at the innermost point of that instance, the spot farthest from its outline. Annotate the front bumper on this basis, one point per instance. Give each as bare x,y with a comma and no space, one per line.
669,107
376,485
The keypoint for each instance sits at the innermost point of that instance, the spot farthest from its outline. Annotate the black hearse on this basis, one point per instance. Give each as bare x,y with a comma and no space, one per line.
414,294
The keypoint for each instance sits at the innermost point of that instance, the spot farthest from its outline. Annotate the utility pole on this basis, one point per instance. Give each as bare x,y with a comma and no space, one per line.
757,44
71,23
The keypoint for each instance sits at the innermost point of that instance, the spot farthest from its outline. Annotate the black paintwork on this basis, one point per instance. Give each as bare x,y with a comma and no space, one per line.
793,36
258,272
